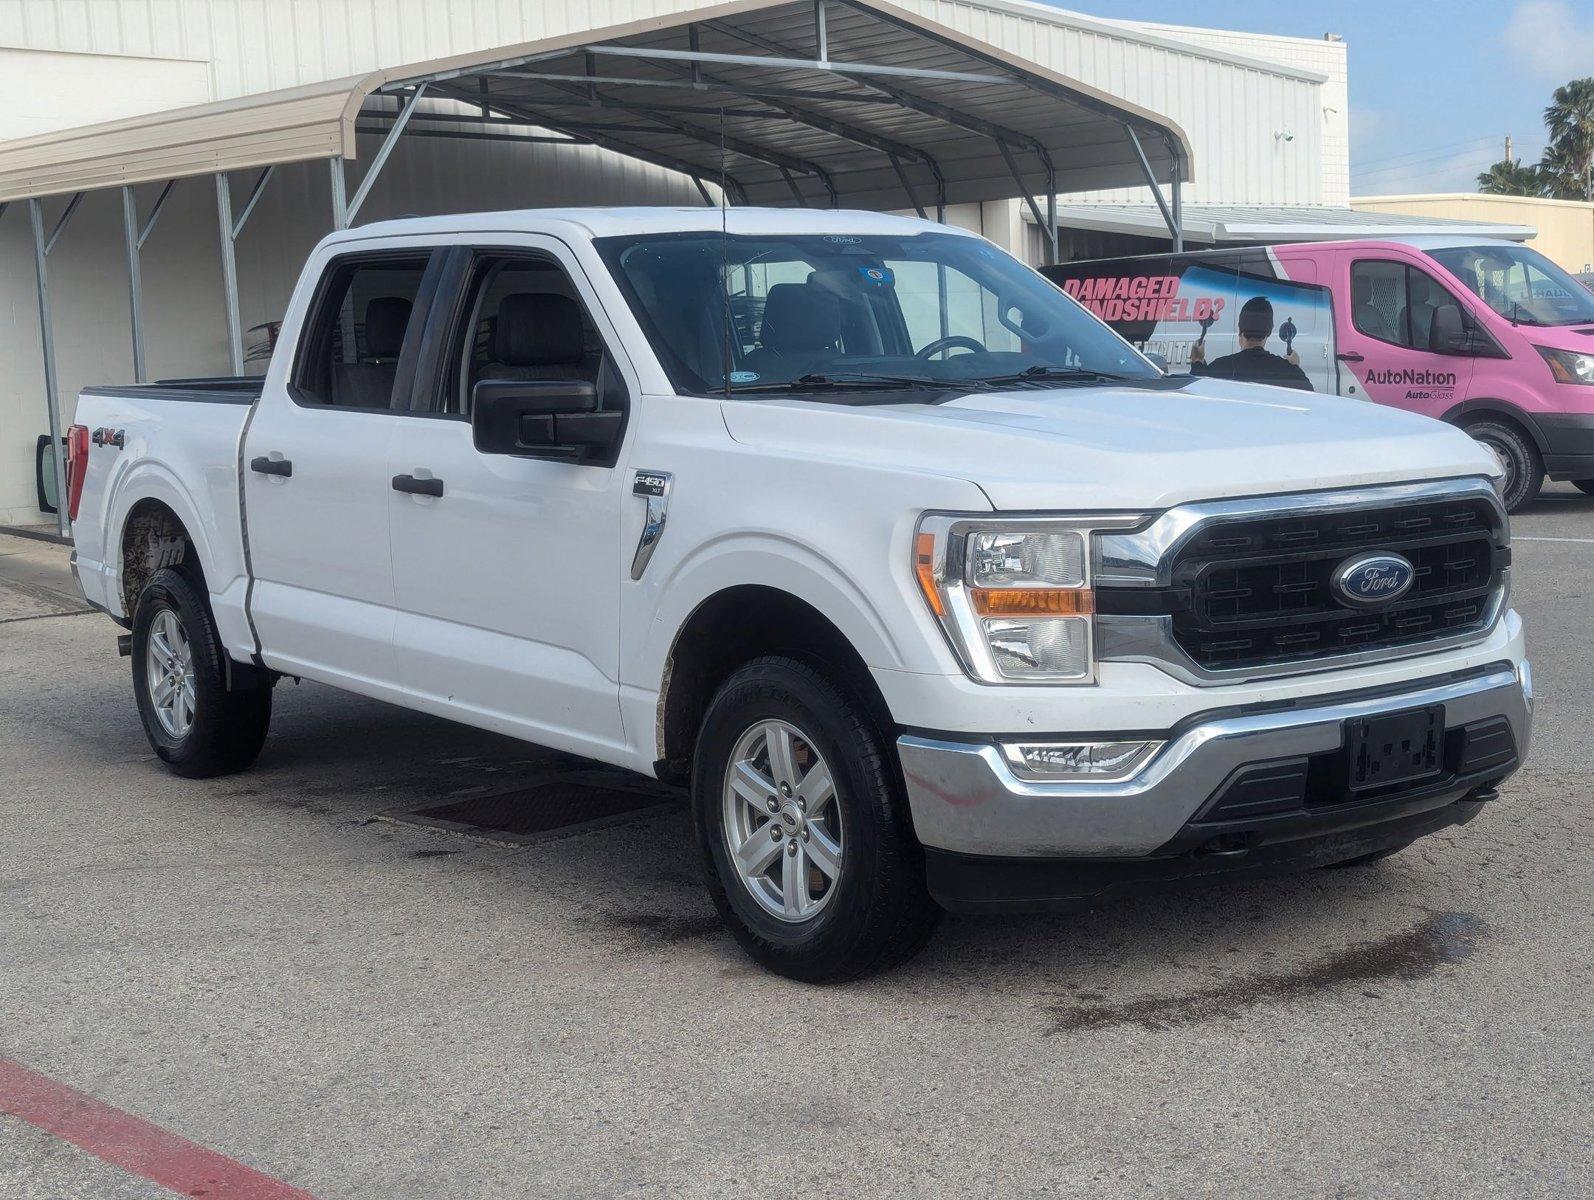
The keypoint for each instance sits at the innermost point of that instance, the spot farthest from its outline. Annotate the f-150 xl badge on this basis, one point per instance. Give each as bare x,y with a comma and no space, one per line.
655,485
651,483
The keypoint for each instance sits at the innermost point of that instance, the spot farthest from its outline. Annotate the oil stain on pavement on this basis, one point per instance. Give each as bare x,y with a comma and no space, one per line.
670,930
1439,939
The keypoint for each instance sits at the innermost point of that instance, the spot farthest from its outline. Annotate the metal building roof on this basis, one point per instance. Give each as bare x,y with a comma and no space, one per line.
875,107
1219,224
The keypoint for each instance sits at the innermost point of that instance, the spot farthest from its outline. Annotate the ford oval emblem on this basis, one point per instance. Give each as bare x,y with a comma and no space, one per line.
1370,580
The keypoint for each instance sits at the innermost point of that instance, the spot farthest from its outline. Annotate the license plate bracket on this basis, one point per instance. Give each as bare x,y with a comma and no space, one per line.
1395,748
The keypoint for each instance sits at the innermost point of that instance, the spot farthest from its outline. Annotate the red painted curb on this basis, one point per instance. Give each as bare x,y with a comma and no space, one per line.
130,1142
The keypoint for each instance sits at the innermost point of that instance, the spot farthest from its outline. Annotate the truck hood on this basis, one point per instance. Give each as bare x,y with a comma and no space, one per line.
1123,447
1577,338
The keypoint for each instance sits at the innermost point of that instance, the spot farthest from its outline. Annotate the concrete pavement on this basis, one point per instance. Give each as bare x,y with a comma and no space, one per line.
365,1009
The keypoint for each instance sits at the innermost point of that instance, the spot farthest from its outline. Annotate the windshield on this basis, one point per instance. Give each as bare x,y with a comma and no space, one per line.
832,313
1519,284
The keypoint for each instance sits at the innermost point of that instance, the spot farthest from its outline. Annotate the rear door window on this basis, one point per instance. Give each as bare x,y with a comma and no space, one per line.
360,326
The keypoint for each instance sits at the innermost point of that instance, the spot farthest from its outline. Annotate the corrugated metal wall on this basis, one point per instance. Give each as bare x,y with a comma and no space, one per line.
1229,110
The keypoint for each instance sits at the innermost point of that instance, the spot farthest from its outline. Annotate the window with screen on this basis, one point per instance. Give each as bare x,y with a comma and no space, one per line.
1396,303
1378,301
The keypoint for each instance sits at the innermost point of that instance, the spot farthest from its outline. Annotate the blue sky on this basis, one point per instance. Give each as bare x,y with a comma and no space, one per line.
1434,87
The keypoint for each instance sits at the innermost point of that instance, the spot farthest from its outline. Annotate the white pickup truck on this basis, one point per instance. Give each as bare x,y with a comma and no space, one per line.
933,591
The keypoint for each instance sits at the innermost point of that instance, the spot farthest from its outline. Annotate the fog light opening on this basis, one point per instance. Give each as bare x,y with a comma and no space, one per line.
1225,845
1097,762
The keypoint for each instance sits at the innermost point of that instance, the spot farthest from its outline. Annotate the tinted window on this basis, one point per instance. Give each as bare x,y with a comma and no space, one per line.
1425,296
737,312
349,357
1378,301
1519,283
524,319
1396,303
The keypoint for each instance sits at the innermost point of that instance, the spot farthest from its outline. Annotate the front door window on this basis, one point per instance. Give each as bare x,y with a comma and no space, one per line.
1394,351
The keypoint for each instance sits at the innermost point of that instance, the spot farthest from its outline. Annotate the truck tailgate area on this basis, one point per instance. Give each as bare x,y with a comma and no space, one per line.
174,445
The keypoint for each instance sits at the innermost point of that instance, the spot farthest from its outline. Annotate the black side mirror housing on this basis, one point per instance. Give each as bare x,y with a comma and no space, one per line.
1448,334
542,418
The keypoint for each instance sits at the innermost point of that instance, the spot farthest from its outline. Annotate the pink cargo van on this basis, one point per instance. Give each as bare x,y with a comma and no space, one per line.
1489,335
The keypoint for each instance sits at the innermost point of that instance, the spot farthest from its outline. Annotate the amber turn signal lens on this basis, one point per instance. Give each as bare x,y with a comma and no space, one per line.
1031,602
924,571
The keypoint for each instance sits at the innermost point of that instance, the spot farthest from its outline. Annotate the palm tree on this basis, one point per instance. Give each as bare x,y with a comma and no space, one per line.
1570,122
1562,174
1509,177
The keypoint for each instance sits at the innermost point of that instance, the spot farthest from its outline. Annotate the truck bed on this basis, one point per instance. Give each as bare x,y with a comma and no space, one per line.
175,442
219,389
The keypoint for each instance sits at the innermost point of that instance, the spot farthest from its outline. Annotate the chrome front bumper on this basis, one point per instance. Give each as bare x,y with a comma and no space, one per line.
965,797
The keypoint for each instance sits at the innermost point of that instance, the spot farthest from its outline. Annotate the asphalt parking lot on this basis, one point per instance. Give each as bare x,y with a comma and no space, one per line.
272,968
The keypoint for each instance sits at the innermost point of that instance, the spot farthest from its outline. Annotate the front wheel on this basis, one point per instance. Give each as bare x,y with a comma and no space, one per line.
1518,458
194,724
807,849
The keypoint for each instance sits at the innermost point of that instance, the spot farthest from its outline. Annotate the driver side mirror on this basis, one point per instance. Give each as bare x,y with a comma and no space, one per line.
542,418
1449,334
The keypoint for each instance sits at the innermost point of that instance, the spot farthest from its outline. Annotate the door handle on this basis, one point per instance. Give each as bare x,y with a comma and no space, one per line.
272,466
1350,356
417,487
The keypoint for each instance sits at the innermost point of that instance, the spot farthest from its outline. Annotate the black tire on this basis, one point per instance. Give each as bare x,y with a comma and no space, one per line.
880,914
1524,468
1364,860
1586,486
227,729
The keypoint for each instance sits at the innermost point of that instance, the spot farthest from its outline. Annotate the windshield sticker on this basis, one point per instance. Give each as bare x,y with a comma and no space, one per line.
877,276
744,376
838,239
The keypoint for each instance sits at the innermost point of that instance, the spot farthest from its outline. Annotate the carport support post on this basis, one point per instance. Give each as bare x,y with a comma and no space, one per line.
352,208
52,397
1051,214
340,202
1175,233
135,286
1175,187
229,272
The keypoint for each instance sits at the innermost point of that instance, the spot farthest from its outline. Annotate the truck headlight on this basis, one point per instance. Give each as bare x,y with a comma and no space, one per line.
1013,596
1568,366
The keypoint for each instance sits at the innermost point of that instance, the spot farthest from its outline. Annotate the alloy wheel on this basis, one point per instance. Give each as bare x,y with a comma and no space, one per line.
782,821
169,671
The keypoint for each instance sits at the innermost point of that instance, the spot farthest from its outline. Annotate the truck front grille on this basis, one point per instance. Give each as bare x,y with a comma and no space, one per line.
1259,587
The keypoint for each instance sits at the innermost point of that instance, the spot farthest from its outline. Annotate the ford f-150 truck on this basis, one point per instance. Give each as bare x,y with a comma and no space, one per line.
933,591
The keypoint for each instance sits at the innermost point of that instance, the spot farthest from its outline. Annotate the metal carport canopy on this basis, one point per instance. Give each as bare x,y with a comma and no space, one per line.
852,103
825,102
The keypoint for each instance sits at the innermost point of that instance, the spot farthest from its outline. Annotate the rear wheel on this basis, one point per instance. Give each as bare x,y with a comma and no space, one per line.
807,849
1518,458
194,724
